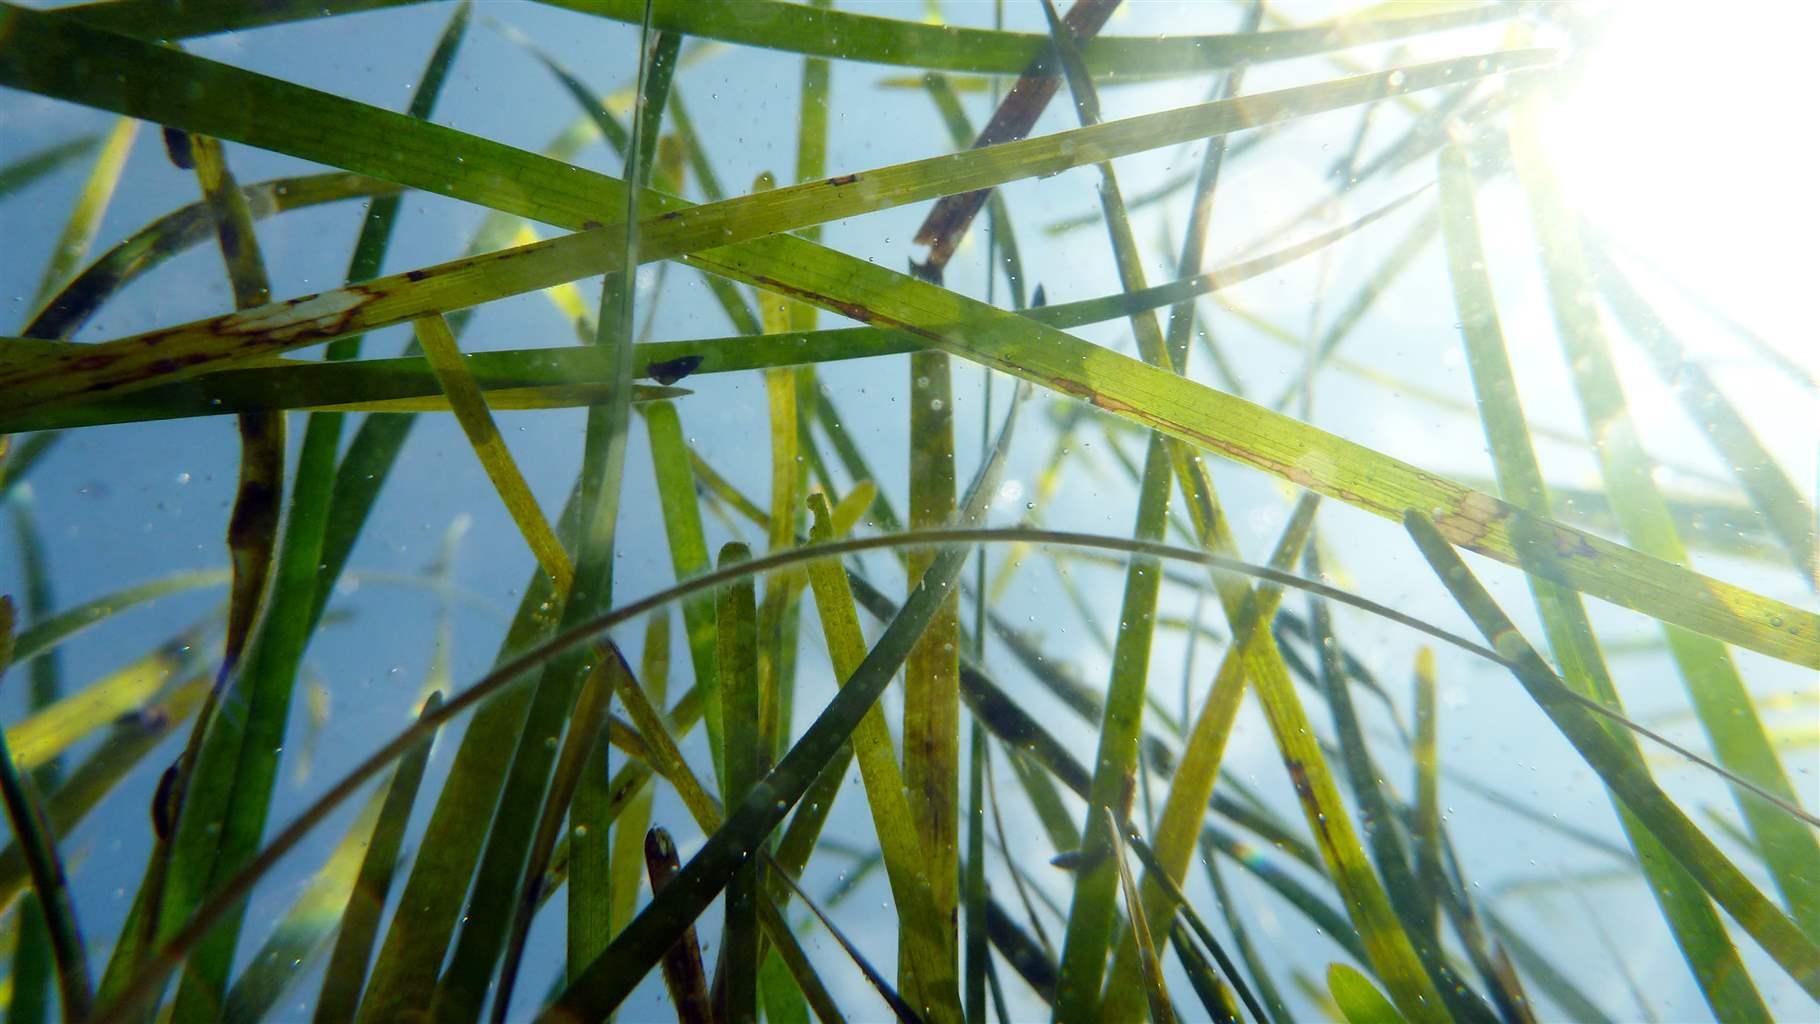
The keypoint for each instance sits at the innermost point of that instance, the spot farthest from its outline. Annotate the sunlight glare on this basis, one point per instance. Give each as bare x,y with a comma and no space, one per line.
1688,142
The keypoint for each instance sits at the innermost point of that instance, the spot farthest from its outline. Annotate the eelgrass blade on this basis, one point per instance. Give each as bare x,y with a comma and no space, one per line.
416,943
923,935
736,982
148,248
1357,998
1003,241
134,736
345,975
585,735
298,938
1379,815
1017,113
184,864
899,1008
688,557
625,862
1779,936
789,27
470,408
39,739
788,984
39,846
931,730
1426,826
1699,933
1706,667
33,966
29,168
1156,993
682,967
91,203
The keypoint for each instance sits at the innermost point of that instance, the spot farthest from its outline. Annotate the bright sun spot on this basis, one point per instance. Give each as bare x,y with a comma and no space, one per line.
1690,140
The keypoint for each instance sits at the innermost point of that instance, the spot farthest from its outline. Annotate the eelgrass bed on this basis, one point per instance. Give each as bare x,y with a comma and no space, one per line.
1174,511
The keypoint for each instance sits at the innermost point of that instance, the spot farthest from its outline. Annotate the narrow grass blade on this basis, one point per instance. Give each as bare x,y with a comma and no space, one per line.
1155,991
932,670
224,822
39,846
29,168
1379,815
151,246
1426,828
416,944
923,934
42,737
1357,998
91,203
683,973
134,736
470,408
625,860
300,936
737,662
1762,920
899,1008
346,973
788,984
688,557
800,29
1017,113
1251,655
584,736
1714,685
1690,916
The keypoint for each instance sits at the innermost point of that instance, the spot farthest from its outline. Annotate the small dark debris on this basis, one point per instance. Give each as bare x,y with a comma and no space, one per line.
177,147
670,371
